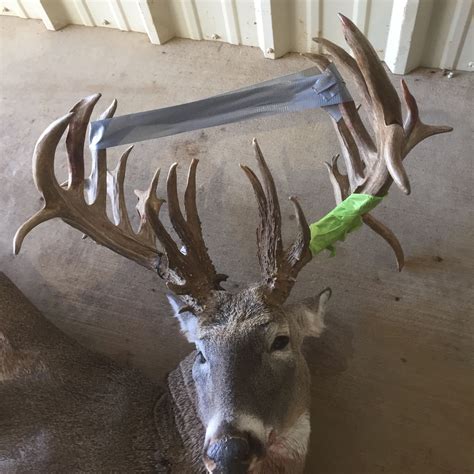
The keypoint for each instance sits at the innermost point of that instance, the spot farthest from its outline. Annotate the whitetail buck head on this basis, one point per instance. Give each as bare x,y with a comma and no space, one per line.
251,379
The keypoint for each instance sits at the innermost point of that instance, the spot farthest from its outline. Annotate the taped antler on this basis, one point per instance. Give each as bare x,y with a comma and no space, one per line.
372,165
81,202
68,202
279,267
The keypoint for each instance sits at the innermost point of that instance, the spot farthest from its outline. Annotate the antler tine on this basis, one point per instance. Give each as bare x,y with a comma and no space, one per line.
415,129
272,229
321,61
298,254
173,257
190,197
384,232
96,184
44,157
99,161
358,149
149,198
359,133
350,153
346,62
339,181
45,180
385,102
190,272
279,268
116,192
176,216
75,140
195,228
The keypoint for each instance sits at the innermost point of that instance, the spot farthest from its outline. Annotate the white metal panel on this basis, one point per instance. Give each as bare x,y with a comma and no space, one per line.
102,13
21,8
30,8
13,8
304,21
246,21
465,60
443,21
360,14
456,33
157,20
231,25
210,15
406,33
330,24
378,22
185,19
79,14
263,15
132,15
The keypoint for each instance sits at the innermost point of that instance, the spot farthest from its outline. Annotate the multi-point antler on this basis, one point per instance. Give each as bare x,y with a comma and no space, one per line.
372,165
279,267
188,272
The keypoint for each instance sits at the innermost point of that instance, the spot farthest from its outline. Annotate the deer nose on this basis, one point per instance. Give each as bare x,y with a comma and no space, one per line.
228,455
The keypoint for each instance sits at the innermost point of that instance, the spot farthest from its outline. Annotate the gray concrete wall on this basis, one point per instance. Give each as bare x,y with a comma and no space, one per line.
393,376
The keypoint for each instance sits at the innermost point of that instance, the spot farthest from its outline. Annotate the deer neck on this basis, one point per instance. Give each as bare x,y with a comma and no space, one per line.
179,429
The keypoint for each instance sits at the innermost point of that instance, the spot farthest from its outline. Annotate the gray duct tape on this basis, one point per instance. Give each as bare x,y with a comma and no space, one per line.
304,90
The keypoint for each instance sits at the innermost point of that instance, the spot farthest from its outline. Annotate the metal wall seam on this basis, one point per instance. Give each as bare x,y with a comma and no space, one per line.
232,29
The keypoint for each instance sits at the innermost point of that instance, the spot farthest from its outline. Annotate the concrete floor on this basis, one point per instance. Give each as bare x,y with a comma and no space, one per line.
393,376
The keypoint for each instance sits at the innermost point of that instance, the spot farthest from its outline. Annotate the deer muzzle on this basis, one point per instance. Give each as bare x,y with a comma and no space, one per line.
232,454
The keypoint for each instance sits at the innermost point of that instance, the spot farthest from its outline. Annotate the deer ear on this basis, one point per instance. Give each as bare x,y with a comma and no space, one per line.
310,313
187,320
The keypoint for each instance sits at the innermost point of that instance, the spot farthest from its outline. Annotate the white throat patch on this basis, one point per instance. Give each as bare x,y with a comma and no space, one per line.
293,443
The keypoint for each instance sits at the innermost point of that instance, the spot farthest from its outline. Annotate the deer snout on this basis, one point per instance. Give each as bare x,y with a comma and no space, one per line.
233,446
229,455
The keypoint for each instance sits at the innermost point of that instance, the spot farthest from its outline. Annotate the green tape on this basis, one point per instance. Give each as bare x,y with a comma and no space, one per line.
343,219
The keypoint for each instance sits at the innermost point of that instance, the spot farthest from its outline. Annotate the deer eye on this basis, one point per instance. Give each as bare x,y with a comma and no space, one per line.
200,358
280,343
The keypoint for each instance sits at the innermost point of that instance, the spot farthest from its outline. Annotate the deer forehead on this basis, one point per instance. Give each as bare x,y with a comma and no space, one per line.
257,329
242,315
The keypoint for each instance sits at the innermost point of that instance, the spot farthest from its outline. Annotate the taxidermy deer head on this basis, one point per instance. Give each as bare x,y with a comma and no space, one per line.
251,379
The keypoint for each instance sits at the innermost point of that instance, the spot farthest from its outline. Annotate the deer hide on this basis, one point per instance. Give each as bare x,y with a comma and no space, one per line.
64,408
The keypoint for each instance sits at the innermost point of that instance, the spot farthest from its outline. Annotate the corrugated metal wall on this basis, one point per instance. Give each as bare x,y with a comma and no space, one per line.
406,33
